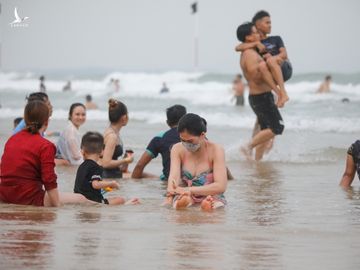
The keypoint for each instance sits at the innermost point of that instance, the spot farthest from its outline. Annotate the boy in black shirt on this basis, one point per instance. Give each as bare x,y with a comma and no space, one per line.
273,52
88,180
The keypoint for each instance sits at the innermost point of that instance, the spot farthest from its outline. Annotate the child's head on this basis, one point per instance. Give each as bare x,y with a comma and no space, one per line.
17,120
92,143
174,113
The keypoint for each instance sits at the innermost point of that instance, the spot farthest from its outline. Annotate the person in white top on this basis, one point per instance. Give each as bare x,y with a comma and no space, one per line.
68,146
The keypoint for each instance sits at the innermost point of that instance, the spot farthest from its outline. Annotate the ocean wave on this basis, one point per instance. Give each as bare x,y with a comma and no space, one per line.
219,119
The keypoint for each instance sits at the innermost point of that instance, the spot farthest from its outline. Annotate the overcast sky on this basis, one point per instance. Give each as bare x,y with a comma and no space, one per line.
157,35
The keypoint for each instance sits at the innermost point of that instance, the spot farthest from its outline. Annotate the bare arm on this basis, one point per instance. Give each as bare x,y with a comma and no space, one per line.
175,167
349,173
107,161
52,198
104,184
283,54
138,171
251,45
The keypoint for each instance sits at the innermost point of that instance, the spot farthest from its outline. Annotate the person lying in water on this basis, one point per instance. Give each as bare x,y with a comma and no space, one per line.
197,170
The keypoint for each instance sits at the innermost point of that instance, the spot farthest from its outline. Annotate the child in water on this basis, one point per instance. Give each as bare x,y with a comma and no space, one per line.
88,177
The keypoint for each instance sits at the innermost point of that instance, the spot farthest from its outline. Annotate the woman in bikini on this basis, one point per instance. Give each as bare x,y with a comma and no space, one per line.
113,163
197,171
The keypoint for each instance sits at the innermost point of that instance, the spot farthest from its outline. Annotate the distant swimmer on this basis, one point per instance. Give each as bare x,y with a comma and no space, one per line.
261,83
89,104
238,90
325,85
345,100
42,84
67,86
164,89
117,85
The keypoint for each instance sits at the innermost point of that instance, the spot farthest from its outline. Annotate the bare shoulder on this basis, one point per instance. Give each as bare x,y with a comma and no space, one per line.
109,136
216,148
177,147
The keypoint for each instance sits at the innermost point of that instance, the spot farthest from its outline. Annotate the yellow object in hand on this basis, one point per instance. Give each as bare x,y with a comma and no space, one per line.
108,189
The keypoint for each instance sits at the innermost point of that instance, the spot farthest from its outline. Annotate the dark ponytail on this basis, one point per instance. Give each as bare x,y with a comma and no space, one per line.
36,113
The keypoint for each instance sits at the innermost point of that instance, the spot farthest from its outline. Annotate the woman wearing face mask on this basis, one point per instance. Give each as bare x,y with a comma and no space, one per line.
68,146
112,160
197,171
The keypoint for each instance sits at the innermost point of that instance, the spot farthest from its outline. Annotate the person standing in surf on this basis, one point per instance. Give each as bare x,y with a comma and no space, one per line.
261,83
273,51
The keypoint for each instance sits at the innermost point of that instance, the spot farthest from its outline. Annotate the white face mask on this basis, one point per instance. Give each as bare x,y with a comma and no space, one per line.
191,147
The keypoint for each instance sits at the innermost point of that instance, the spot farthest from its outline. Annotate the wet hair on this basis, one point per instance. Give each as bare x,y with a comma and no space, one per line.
88,98
37,96
117,109
244,30
92,142
72,108
174,113
17,120
36,113
259,15
328,77
239,76
193,124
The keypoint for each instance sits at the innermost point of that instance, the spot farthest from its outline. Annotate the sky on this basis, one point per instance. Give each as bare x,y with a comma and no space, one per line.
158,35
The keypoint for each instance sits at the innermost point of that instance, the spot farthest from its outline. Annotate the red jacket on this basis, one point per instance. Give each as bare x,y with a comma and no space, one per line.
26,166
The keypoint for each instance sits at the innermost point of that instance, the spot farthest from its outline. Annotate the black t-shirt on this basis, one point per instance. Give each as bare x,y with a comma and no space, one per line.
354,151
161,144
273,44
87,172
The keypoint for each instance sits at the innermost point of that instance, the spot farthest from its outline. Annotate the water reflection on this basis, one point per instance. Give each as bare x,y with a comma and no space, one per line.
24,247
87,242
264,195
260,253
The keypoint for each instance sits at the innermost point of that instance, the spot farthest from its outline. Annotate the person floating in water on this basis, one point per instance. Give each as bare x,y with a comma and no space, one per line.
273,51
325,85
89,104
238,90
42,87
261,83
116,85
164,89
67,86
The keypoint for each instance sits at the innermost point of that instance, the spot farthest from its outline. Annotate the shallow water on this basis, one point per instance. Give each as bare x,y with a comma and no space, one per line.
286,212
279,216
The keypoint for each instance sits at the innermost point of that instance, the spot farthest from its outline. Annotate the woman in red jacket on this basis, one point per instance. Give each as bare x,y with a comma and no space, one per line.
28,164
